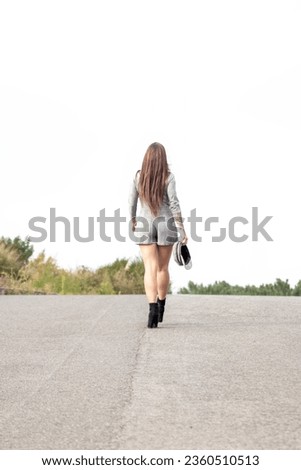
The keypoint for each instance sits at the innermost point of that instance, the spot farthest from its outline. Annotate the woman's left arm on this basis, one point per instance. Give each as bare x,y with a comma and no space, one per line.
133,201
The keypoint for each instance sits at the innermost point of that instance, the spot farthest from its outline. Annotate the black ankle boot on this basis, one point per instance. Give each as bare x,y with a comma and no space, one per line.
161,306
153,315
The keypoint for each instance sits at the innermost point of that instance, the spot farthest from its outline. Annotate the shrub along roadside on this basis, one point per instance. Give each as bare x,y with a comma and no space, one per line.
42,275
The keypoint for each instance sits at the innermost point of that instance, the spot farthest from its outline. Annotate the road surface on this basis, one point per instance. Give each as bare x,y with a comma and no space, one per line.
84,372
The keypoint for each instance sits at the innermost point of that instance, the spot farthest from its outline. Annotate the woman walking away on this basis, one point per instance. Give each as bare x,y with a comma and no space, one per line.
158,226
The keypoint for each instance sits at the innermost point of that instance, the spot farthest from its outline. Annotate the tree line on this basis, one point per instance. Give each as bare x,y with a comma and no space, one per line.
20,273
279,287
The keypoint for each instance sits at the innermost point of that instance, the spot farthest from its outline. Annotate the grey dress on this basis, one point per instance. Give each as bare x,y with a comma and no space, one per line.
160,229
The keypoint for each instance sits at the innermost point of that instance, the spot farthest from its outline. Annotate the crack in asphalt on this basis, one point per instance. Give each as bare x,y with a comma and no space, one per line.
115,440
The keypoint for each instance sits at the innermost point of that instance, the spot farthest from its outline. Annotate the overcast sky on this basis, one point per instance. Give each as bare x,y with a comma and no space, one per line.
87,86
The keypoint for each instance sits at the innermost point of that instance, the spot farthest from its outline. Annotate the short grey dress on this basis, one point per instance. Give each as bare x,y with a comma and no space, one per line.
160,229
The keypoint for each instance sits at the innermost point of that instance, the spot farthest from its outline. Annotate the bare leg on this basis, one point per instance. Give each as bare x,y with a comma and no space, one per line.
164,253
149,255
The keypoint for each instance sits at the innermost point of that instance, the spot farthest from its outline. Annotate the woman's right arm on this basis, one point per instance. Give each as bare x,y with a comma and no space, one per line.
175,208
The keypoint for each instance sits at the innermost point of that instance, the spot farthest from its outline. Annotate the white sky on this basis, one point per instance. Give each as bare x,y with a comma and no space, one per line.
85,87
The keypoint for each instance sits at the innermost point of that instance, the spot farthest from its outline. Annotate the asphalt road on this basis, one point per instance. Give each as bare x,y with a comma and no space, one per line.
84,372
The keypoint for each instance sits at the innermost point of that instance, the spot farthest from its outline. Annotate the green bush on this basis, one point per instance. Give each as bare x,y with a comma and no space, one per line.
42,274
10,262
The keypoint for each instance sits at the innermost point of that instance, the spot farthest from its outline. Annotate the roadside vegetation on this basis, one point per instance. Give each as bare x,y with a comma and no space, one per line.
21,273
279,287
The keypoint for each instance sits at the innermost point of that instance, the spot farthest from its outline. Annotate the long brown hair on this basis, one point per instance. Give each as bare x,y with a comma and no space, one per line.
153,176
